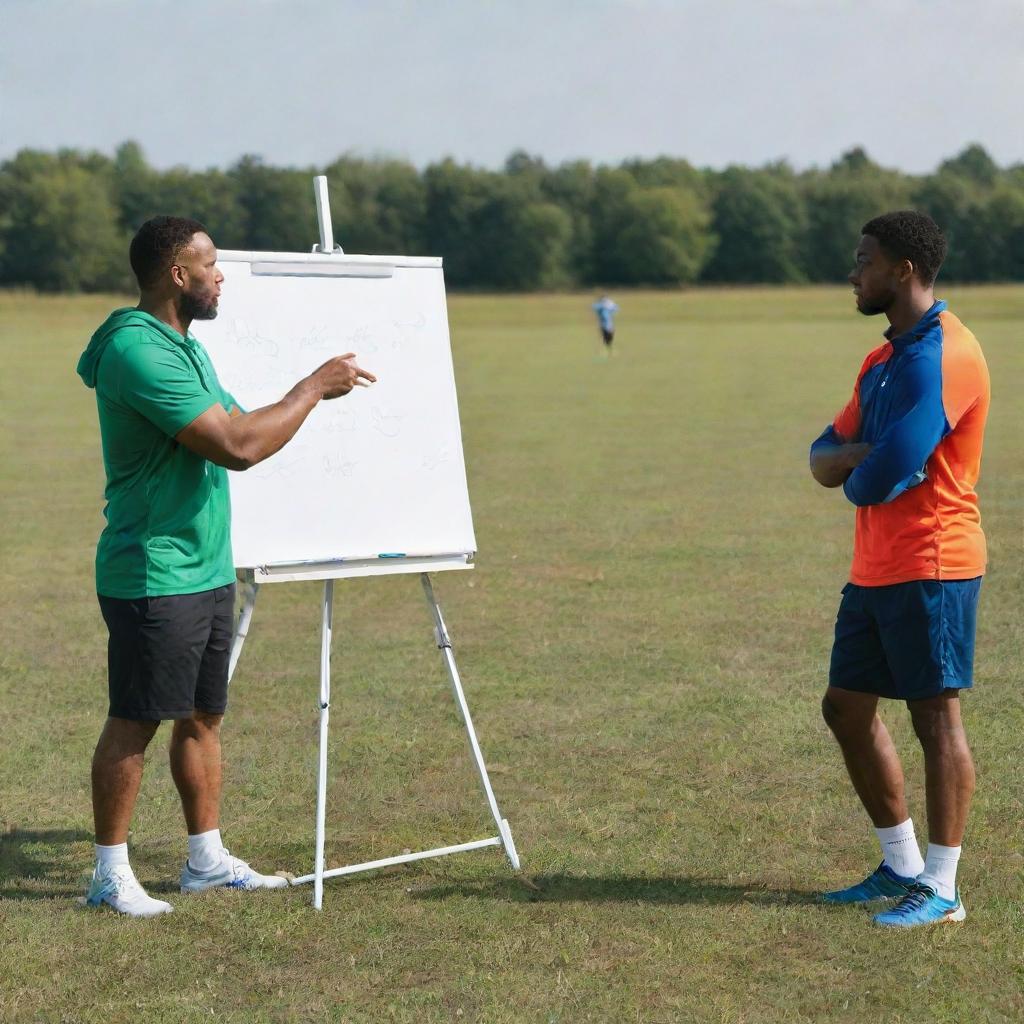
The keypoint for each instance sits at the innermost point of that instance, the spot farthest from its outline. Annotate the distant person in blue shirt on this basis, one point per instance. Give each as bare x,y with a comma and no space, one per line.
606,310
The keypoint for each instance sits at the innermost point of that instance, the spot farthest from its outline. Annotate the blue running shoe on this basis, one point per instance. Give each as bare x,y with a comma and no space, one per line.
230,873
922,905
882,884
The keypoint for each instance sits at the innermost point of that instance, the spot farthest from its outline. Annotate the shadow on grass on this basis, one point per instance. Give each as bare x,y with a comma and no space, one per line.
617,889
33,862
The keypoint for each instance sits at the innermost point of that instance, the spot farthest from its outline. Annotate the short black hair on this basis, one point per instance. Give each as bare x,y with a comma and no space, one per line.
907,234
156,245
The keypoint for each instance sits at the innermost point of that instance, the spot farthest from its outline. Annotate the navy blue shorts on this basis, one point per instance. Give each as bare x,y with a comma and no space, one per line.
907,641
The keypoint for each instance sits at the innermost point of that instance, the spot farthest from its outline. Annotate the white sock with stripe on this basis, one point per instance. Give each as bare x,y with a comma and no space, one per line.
900,850
940,869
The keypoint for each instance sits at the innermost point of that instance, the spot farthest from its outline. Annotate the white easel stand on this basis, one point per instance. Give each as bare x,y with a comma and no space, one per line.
328,572
504,836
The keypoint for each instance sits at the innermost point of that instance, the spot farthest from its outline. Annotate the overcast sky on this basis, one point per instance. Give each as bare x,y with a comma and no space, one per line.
201,82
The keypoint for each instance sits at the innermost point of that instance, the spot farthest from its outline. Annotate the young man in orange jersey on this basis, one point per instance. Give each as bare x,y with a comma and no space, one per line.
906,450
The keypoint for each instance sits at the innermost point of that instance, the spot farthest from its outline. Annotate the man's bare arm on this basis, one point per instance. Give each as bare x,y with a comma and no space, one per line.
241,440
832,464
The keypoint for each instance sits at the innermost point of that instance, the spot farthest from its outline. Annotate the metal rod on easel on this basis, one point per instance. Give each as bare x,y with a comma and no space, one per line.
323,216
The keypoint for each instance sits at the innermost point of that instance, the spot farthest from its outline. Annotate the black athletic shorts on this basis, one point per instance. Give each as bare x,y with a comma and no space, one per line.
607,335
169,655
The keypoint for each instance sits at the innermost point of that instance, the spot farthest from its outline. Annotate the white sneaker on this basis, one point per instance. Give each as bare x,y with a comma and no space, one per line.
230,873
118,887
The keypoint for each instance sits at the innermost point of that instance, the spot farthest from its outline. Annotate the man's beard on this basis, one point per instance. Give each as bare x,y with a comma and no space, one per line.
876,307
863,310
196,307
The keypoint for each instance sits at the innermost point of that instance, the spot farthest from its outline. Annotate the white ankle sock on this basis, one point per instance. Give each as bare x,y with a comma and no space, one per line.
940,869
900,849
108,856
204,850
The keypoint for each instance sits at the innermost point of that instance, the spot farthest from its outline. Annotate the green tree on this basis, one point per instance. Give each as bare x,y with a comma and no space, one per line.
214,198
1002,225
960,199
838,204
669,172
455,196
208,196
974,164
136,185
61,227
759,222
855,160
494,230
571,187
377,206
956,204
528,168
609,215
662,237
277,206
65,217
523,245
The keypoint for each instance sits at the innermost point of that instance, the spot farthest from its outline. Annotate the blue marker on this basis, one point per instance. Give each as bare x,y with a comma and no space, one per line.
392,554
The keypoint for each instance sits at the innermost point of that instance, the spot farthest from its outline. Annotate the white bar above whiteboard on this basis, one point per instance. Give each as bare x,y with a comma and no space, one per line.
338,269
242,256
337,569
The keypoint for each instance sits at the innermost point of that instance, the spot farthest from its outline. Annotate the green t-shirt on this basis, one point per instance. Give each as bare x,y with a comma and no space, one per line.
168,510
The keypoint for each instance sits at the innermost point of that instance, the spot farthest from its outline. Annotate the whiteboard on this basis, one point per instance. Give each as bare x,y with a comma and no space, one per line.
377,474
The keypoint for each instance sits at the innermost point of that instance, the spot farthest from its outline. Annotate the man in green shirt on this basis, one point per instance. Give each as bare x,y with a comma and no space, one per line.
164,572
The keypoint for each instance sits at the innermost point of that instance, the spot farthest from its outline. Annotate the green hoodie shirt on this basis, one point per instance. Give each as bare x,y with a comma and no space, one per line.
168,510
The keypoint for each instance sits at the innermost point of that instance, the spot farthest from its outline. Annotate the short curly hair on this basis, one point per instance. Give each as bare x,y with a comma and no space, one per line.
156,245
907,234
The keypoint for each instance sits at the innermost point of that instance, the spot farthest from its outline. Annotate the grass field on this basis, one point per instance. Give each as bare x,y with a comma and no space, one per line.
644,643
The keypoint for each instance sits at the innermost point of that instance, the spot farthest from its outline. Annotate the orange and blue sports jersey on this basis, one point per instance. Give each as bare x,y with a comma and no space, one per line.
920,401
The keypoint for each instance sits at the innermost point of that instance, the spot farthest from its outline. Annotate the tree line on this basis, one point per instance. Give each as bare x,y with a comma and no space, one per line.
66,217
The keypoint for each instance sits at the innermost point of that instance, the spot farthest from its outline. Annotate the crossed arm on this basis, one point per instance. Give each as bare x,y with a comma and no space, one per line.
876,473
832,461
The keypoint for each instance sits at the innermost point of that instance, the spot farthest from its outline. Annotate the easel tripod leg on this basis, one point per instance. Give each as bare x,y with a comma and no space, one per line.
445,646
242,627
325,704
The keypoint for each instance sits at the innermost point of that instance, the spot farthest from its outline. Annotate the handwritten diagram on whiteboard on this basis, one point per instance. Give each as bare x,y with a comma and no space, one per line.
378,471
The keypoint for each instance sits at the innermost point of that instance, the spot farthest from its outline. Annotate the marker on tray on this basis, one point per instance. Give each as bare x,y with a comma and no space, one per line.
392,554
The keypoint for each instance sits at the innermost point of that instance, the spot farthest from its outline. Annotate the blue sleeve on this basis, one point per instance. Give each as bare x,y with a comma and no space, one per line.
917,423
828,438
